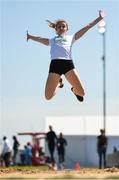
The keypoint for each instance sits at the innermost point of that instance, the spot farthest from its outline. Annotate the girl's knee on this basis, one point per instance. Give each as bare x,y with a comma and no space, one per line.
48,96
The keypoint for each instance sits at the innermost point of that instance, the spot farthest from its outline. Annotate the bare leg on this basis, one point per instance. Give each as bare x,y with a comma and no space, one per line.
74,80
51,85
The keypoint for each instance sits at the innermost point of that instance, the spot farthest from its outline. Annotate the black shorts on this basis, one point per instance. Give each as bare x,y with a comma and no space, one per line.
61,66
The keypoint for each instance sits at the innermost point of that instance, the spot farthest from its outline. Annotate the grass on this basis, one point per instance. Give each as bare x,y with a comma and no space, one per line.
24,168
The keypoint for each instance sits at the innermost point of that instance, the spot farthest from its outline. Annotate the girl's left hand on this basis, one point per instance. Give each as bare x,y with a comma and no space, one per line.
101,14
28,36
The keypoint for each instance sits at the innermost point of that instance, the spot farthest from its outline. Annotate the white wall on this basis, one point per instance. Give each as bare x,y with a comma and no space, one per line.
83,125
81,134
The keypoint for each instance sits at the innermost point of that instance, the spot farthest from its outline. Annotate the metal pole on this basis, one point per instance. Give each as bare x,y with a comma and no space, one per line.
104,81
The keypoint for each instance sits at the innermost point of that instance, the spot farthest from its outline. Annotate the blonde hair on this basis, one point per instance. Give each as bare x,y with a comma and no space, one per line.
54,24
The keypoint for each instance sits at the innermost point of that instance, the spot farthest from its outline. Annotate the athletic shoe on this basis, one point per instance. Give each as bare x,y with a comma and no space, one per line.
60,83
80,98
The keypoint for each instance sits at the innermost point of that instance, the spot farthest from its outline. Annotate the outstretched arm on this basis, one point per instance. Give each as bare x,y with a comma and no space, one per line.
44,41
81,32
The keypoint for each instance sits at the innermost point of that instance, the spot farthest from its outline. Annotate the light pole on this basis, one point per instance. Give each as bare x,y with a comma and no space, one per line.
102,29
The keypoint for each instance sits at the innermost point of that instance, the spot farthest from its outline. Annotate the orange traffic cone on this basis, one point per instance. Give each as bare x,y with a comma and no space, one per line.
77,166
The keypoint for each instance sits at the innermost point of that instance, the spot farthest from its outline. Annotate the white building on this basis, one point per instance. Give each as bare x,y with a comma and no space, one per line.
81,133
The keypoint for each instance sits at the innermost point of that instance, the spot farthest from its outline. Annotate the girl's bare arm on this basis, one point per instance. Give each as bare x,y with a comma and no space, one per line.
44,41
81,32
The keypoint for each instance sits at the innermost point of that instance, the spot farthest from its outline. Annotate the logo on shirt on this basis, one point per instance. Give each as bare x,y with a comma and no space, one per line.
60,39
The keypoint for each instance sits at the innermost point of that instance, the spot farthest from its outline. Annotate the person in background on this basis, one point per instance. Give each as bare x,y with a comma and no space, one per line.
6,151
41,153
102,142
1,160
23,156
61,143
51,139
115,149
29,154
16,145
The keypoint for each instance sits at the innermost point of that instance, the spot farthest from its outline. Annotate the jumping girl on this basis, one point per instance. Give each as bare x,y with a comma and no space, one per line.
61,58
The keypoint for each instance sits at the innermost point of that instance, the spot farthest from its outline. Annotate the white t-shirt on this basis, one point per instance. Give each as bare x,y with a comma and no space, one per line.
61,47
6,147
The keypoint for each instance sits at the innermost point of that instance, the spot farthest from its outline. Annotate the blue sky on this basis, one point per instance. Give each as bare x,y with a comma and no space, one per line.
24,66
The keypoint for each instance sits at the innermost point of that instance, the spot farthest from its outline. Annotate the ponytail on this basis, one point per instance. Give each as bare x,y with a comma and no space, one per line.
51,24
